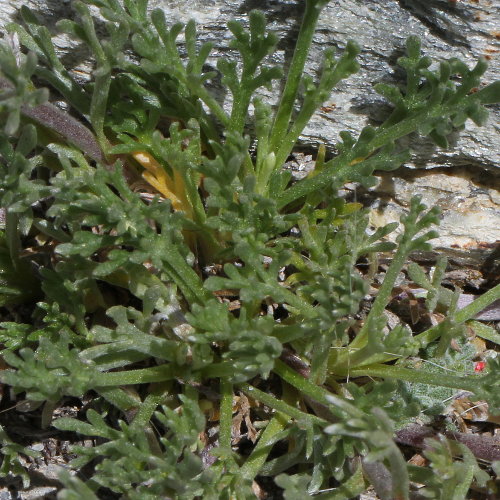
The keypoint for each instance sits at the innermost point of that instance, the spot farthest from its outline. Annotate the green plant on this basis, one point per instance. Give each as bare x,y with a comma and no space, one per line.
223,222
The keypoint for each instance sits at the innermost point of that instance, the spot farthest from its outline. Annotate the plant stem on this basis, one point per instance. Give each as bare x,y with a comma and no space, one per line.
339,167
304,385
184,276
463,315
226,415
212,105
279,405
351,488
383,296
416,376
118,397
287,101
259,455
98,104
146,410
143,376
485,332
12,236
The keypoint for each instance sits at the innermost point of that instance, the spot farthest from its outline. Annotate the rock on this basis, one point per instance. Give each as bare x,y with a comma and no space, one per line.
463,180
468,198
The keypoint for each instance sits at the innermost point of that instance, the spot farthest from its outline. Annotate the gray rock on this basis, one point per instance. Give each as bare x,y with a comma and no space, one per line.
467,29
470,220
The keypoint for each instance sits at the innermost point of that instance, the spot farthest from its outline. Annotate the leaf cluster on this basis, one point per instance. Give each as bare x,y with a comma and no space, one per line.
186,284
